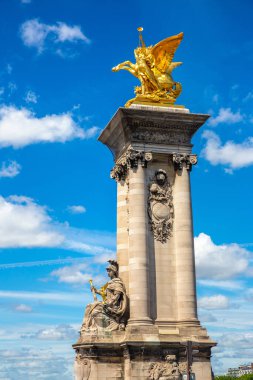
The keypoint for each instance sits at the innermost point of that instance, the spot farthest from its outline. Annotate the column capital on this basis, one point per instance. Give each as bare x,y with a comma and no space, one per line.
131,159
181,160
137,157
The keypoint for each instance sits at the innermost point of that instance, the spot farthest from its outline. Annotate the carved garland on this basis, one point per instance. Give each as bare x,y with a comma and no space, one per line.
160,206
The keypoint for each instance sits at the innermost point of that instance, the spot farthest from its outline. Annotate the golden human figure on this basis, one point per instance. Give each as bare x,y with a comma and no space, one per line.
153,68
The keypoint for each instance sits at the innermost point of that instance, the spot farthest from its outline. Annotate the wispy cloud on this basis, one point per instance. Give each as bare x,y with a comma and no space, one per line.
214,302
234,155
10,169
76,209
225,284
36,34
58,297
22,308
31,97
20,127
60,332
226,116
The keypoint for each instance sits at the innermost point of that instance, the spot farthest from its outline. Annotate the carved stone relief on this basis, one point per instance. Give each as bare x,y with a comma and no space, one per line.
82,367
181,160
167,370
160,206
131,159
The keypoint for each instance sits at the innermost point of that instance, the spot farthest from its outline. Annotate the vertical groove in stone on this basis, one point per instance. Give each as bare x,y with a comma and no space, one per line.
138,255
184,248
122,232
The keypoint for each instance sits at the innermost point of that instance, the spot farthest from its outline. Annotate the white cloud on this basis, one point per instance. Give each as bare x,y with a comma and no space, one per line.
10,169
22,308
78,209
20,127
23,223
35,34
60,332
36,363
9,68
219,261
77,275
225,284
215,98
62,298
226,116
234,155
72,274
80,246
31,97
214,302
248,97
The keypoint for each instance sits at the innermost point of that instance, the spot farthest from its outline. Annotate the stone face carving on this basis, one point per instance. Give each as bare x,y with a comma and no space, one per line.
181,160
160,206
82,367
107,315
131,159
168,370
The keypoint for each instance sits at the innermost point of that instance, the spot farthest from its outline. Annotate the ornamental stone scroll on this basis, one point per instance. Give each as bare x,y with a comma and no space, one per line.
131,159
181,160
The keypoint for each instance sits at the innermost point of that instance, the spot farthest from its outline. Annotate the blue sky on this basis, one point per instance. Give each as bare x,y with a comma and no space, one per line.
58,204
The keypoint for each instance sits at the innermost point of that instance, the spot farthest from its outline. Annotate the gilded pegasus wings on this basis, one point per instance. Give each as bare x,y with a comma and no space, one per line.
164,51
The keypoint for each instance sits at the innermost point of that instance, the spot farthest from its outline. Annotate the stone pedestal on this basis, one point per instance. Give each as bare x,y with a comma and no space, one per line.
153,160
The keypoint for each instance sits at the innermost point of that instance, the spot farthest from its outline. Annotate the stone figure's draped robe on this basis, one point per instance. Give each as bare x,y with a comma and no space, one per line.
107,315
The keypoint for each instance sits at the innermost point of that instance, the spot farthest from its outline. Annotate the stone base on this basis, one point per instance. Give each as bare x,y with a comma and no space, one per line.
141,353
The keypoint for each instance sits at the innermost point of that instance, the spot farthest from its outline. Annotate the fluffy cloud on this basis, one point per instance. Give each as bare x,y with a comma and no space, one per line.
78,209
35,34
234,155
214,302
226,116
10,169
61,332
20,127
22,308
72,274
23,223
31,97
219,261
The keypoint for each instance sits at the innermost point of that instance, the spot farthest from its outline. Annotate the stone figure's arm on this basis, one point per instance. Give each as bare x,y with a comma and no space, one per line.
114,299
96,291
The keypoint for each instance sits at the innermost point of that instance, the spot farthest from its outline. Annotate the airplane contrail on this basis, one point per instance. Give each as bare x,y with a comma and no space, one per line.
40,263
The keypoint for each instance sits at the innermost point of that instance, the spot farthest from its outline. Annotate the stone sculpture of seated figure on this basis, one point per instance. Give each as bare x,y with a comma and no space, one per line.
107,315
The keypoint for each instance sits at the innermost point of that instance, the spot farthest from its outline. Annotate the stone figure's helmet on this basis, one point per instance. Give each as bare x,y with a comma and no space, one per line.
114,266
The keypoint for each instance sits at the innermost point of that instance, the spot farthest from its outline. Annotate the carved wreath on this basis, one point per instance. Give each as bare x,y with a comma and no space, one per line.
160,206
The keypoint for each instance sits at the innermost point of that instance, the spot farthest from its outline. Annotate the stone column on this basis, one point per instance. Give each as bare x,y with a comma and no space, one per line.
119,173
183,239
138,254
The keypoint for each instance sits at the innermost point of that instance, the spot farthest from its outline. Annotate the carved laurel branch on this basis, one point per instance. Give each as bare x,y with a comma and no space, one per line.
181,160
131,159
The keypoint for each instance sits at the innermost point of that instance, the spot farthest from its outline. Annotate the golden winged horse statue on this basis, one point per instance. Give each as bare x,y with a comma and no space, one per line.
153,68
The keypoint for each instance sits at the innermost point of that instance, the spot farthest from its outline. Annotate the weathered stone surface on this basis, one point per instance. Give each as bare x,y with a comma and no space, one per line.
155,251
